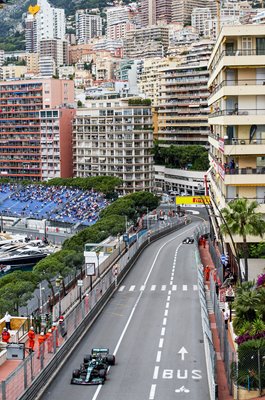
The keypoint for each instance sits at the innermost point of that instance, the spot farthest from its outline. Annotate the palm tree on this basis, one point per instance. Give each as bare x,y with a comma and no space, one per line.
242,219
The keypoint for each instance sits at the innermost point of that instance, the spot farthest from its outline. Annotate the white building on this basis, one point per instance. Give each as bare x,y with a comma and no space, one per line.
115,138
119,21
48,23
198,18
47,66
87,26
2,56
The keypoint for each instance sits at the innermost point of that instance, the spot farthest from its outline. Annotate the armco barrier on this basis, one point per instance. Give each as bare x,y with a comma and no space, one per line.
33,376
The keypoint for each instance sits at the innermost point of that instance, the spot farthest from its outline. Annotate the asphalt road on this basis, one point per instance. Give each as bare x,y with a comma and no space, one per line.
153,326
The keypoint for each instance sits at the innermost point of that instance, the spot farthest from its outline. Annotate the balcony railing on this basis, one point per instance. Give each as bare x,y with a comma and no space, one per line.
233,53
239,141
245,171
252,111
240,82
259,200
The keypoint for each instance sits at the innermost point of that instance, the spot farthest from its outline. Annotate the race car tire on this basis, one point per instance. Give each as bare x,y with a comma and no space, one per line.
76,373
102,373
111,359
87,358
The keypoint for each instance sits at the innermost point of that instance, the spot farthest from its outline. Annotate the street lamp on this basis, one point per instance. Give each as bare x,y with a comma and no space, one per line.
97,254
58,282
119,243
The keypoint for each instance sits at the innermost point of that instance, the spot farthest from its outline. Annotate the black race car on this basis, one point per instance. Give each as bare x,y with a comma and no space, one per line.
188,240
94,369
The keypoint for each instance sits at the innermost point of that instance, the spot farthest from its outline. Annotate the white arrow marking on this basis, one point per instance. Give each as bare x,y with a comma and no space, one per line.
182,351
182,389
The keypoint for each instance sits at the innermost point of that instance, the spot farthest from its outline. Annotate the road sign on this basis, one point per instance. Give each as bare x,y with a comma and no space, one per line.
224,259
79,282
90,269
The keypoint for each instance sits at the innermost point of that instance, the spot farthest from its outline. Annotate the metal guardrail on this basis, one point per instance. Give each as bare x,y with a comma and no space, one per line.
208,340
29,379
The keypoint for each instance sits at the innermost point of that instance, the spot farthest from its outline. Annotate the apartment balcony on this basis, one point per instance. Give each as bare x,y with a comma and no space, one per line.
238,117
237,58
238,146
241,176
242,87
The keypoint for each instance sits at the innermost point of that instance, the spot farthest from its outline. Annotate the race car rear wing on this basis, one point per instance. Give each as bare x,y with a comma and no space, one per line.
99,351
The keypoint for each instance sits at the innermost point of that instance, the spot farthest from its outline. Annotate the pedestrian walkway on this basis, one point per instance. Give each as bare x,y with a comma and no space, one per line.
158,288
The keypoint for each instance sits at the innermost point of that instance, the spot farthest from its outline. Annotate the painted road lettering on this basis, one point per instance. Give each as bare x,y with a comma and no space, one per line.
182,351
196,374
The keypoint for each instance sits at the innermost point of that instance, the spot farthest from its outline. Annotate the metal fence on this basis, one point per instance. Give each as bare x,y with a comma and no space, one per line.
208,340
37,367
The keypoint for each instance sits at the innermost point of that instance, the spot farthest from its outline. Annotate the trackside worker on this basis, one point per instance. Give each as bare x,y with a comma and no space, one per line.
5,335
54,329
31,336
49,337
41,340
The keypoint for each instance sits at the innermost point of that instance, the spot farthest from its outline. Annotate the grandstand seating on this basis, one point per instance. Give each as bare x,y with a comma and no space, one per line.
62,204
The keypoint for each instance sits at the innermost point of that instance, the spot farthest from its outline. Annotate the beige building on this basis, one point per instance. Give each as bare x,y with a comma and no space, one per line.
32,60
150,79
12,72
114,138
237,116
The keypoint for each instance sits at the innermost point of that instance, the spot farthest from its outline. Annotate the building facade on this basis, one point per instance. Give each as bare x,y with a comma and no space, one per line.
112,137
87,26
153,11
20,123
237,116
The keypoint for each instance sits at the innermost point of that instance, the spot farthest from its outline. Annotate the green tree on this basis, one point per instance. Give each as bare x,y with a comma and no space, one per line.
242,219
47,269
15,294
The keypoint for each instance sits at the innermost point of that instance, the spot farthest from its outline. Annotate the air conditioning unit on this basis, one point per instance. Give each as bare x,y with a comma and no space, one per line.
234,141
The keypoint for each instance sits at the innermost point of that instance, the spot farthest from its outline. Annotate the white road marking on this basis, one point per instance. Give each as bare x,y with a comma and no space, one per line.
195,287
164,321
152,392
156,370
169,292
167,304
153,387
163,330
153,287
166,313
168,298
184,288
163,288
158,356
121,288
132,288
174,288
142,287
161,343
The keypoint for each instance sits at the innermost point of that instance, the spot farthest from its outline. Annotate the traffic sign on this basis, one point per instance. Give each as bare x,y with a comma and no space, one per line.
79,282
224,259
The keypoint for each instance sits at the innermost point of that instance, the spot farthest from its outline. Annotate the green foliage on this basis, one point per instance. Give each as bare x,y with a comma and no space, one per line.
191,157
243,219
79,103
139,102
257,250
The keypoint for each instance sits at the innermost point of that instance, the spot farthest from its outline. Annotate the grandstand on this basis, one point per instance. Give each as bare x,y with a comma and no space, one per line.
60,204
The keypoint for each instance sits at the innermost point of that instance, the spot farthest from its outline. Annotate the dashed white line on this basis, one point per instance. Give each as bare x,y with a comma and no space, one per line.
152,392
132,288
156,370
121,288
142,288
195,287
168,298
164,321
161,343
174,288
184,288
166,313
167,304
163,287
163,330
158,356
153,287
169,292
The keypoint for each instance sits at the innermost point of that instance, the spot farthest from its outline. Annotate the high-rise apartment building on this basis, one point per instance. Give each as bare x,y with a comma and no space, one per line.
113,137
237,118
120,19
146,42
57,49
153,11
21,147
182,9
87,26
182,111
48,23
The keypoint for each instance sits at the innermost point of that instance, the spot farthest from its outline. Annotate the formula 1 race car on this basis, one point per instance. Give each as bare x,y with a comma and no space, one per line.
188,240
94,369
